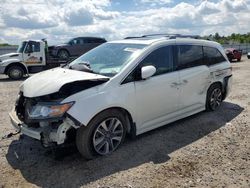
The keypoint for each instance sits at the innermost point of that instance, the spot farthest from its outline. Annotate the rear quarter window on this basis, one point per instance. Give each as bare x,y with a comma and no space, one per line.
212,56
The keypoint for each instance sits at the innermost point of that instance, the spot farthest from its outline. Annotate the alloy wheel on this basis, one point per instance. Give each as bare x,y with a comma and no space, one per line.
108,136
216,98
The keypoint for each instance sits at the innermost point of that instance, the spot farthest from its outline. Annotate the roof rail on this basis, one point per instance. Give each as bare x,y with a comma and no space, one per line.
132,37
170,36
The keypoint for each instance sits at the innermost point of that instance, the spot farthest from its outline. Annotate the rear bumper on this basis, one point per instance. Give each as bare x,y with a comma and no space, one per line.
228,86
20,126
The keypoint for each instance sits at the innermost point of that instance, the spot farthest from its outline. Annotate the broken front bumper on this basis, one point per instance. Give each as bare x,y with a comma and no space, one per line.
20,126
45,134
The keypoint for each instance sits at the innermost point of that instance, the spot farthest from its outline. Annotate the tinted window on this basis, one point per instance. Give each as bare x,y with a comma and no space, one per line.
94,40
161,59
212,56
189,56
100,40
89,40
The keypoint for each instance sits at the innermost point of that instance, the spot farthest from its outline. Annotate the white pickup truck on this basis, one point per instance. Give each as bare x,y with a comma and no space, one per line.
32,56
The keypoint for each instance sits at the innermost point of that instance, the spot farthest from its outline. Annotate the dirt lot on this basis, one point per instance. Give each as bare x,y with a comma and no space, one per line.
210,149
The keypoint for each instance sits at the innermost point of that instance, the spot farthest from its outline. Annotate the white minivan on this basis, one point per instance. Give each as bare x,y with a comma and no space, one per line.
120,88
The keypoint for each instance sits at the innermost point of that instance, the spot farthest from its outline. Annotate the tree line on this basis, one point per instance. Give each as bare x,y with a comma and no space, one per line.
6,44
234,38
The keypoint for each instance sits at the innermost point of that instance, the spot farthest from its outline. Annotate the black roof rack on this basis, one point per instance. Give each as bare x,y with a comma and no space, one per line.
132,37
170,36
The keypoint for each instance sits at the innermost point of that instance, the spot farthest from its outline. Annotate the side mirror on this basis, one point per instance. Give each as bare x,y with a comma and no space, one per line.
147,71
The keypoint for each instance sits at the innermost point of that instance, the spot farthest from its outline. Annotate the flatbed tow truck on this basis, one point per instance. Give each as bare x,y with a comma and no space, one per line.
32,56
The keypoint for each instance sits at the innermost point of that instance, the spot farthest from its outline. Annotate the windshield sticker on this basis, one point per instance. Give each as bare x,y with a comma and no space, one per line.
131,49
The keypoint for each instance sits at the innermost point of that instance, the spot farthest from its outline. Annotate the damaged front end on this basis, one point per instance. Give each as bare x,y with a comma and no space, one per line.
45,117
42,119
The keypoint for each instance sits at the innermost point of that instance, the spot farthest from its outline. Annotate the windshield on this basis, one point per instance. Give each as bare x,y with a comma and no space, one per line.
21,47
108,59
73,41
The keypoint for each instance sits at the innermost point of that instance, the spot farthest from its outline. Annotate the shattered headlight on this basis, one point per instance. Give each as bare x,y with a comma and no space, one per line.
47,111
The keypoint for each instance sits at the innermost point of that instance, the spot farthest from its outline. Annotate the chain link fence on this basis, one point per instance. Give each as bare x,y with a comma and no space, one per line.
245,47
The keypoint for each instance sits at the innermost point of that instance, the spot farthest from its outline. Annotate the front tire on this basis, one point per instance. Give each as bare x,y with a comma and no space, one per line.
63,54
103,135
15,72
214,97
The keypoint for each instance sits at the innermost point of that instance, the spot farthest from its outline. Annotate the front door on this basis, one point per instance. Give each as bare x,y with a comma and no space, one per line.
157,97
33,54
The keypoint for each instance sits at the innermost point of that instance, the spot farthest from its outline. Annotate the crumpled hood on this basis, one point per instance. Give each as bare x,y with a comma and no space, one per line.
10,56
50,81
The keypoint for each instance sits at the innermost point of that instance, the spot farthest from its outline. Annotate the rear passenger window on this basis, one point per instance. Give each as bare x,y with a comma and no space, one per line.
161,59
93,40
97,41
189,56
212,56
89,40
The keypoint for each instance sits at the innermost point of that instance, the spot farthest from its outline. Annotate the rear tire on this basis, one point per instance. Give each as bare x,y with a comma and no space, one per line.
214,97
15,72
103,135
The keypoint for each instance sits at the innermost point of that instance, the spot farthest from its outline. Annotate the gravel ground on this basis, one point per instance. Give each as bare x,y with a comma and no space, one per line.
210,149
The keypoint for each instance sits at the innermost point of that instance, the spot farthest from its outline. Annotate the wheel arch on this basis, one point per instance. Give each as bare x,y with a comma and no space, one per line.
19,64
215,83
131,129
222,86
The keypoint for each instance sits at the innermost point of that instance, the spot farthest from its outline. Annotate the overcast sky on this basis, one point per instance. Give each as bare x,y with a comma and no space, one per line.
60,20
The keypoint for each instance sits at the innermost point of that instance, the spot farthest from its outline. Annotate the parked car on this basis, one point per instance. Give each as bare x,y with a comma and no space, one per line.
233,54
122,87
248,55
75,47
